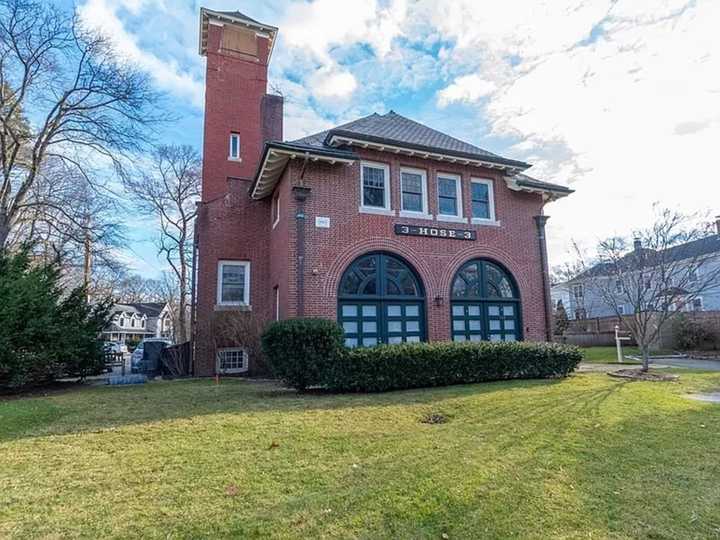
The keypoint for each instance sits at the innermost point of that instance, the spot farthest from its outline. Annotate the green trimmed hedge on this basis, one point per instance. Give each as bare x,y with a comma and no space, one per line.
416,365
310,352
300,351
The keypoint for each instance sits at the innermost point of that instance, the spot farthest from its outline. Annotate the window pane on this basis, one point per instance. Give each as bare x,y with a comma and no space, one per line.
459,337
350,327
459,325
349,311
412,311
480,210
458,310
448,207
373,187
370,327
412,326
412,202
494,324
508,311
510,325
510,337
447,187
394,311
369,342
474,324
413,339
479,192
495,337
369,311
411,183
395,339
233,283
474,311
476,337
494,310
394,326
351,342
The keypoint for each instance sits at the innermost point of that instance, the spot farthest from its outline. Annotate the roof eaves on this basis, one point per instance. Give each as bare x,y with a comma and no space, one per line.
521,165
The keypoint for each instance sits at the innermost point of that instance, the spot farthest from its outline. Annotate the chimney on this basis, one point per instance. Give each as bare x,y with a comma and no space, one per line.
717,225
272,116
637,244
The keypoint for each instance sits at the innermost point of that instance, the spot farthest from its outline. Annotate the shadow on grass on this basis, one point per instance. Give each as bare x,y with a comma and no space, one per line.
105,407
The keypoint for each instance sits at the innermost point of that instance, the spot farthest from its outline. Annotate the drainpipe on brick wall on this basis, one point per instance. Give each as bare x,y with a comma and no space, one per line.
540,222
300,193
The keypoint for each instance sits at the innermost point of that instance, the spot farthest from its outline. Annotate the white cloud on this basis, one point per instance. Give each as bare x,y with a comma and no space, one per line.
330,83
467,88
102,15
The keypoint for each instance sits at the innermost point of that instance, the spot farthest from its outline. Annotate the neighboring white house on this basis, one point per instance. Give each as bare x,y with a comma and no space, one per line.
134,322
585,301
561,292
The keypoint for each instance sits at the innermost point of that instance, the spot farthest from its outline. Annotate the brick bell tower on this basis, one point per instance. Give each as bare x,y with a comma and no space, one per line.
239,117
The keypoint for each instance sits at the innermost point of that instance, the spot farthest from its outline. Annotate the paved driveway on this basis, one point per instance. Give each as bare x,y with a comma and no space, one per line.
688,363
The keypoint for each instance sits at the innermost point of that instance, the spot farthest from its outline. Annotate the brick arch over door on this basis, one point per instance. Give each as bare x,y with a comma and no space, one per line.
391,246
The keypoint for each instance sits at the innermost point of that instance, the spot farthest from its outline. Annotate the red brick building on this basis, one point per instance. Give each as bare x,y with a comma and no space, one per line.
395,230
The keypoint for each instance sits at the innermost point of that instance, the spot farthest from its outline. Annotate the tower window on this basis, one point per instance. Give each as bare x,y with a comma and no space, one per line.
234,146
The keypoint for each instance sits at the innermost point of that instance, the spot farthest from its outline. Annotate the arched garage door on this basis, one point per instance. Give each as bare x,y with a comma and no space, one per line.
485,303
381,300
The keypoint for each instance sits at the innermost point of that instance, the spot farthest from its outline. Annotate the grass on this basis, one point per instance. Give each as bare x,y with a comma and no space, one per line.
607,355
584,457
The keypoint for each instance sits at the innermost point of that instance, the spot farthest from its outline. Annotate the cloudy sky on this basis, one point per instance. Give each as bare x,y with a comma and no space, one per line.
619,99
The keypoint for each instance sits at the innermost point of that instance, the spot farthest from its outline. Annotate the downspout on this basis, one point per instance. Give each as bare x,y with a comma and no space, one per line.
540,222
193,298
300,194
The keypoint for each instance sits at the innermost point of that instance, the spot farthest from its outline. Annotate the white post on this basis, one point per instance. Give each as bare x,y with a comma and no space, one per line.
618,344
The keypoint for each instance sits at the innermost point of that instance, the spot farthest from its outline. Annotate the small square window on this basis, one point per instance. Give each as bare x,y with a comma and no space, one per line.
232,360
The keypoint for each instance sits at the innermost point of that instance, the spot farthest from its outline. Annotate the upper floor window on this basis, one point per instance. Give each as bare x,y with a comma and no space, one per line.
481,193
619,286
276,209
621,309
697,304
449,196
413,188
234,146
233,286
578,291
375,187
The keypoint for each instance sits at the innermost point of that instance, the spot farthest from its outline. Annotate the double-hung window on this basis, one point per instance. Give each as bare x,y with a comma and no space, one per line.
413,190
233,287
449,197
234,146
483,204
375,187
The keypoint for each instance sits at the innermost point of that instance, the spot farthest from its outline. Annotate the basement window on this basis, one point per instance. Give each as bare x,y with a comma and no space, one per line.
232,360
234,147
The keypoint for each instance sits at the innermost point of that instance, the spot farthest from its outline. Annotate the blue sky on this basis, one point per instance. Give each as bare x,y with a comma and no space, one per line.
616,98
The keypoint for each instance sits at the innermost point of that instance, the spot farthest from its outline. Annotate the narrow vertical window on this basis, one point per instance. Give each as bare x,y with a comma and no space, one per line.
234,146
449,197
233,283
277,302
482,200
375,187
413,191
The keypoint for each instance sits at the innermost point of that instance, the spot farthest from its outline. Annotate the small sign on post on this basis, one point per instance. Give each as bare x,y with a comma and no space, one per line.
618,343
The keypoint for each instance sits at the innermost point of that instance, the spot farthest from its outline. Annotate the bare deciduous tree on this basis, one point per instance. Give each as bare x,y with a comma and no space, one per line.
169,190
666,269
83,104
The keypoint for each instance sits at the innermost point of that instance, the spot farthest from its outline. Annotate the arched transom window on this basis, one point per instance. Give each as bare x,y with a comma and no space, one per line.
381,300
485,303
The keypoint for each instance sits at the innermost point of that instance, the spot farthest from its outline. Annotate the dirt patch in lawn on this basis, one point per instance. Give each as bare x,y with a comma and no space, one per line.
639,375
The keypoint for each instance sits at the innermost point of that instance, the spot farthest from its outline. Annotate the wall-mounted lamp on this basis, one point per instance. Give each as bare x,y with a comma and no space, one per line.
439,301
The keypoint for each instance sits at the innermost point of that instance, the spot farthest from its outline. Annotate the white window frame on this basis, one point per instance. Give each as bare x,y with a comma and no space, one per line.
491,202
218,361
578,287
246,288
275,209
234,136
424,212
458,218
692,304
621,309
386,209
277,302
619,287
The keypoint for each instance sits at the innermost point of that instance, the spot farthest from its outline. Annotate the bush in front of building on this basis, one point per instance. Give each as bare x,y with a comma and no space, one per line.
417,365
301,351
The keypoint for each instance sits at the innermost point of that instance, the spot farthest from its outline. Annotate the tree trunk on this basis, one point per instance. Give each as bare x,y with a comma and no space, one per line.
181,331
645,357
4,230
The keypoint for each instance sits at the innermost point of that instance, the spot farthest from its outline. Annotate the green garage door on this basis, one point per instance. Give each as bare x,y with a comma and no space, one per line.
485,304
381,300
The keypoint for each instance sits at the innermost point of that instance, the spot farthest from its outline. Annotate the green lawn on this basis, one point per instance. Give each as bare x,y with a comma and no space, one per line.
585,457
607,355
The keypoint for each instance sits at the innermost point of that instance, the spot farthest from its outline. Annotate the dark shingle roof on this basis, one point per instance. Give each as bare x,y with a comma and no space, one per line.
528,181
150,309
392,128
